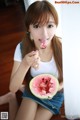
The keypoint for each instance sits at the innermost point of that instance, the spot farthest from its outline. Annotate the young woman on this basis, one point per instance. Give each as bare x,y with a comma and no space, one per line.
40,52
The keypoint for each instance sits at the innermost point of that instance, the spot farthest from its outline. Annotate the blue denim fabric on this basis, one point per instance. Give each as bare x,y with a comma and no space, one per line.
52,105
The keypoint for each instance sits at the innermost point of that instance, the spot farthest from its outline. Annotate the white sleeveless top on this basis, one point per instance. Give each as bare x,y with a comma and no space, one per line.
44,67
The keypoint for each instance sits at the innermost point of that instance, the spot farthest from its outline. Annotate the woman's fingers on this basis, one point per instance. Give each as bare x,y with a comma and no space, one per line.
32,53
35,64
33,59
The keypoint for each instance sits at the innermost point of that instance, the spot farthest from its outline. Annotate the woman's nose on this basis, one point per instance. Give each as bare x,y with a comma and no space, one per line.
44,33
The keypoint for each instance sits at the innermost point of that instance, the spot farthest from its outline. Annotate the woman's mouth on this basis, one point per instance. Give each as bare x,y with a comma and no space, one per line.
43,44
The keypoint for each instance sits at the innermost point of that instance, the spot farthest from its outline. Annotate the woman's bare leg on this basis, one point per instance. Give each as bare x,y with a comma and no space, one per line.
43,114
5,98
11,99
13,106
27,110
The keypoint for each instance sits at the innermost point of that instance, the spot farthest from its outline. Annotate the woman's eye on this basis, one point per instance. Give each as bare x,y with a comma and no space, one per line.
36,26
50,26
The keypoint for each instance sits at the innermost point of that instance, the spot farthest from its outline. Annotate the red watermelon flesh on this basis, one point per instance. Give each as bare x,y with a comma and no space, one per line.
44,86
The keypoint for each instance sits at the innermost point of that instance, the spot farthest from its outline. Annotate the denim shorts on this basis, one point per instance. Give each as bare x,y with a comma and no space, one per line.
52,105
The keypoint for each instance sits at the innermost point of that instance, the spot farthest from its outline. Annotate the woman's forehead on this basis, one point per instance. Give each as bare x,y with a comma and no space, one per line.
51,19
44,19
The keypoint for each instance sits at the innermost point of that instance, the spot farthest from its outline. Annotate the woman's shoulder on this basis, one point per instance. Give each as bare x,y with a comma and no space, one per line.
19,45
17,54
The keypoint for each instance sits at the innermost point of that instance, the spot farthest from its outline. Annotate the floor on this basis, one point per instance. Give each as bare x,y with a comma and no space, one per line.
12,30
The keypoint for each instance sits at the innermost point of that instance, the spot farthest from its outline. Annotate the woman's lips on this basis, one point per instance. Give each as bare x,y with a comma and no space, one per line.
43,44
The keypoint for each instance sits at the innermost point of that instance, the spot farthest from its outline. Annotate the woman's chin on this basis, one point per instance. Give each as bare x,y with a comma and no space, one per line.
43,47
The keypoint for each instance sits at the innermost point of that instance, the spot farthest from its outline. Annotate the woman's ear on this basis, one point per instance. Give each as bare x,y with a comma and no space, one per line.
31,37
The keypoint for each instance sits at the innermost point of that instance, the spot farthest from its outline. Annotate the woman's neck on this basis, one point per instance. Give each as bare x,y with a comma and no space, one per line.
46,54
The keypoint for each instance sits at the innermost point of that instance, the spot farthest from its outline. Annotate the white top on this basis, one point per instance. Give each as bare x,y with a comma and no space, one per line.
44,67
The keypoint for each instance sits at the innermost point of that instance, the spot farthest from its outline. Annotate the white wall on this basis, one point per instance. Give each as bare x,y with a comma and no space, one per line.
27,3
71,58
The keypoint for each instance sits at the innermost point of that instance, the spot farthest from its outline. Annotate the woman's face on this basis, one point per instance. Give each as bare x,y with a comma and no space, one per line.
43,34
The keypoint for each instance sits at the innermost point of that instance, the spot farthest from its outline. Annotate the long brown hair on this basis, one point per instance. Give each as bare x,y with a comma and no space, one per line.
40,12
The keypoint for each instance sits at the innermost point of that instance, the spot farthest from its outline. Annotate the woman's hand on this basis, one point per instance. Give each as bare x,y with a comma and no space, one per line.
32,59
60,86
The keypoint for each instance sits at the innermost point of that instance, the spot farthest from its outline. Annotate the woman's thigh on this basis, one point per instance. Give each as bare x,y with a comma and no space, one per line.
43,114
27,110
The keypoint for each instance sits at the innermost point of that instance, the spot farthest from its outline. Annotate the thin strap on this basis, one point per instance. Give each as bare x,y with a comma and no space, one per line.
21,48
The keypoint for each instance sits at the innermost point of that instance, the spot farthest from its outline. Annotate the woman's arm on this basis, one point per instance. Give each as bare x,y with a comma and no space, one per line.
18,73
20,69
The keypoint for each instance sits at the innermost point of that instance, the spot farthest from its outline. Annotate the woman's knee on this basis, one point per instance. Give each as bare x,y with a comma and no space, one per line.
12,97
43,114
27,110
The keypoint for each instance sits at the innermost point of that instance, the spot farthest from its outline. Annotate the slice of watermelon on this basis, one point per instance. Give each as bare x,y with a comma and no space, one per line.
44,86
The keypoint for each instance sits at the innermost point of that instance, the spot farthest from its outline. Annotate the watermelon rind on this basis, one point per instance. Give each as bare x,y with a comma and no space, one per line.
47,96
